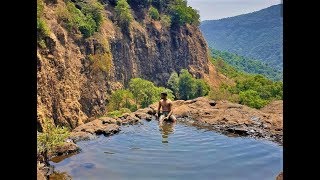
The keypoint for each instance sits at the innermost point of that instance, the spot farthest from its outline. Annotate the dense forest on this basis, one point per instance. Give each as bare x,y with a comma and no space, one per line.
248,65
258,35
249,89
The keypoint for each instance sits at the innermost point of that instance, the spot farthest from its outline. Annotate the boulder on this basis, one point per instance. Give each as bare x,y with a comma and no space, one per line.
98,127
66,148
81,136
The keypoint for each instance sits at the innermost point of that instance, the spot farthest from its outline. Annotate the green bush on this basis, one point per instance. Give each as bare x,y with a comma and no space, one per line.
101,61
145,92
251,98
159,4
258,89
201,88
87,20
184,86
182,14
153,13
120,99
42,27
40,7
173,84
223,94
123,13
165,20
139,4
118,113
51,137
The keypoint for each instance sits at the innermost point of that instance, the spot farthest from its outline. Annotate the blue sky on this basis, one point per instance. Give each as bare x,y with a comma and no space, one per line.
217,9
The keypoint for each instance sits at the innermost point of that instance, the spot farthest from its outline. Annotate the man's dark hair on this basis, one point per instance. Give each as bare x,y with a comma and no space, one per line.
164,93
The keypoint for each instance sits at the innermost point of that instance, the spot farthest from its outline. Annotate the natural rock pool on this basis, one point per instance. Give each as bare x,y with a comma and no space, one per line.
181,151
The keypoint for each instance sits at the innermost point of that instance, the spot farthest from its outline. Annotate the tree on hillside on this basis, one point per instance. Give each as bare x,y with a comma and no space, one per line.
201,88
186,85
120,99
173,83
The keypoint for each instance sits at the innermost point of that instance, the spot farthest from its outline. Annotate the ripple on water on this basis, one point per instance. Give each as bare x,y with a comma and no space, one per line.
179,152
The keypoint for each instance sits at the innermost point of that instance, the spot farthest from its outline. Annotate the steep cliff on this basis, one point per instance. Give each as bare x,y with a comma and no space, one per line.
75,74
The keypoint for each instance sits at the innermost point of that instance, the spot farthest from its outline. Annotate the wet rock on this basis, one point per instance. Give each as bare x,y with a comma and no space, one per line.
98,127
131,119
151,111
212,103
108,120
239,131
81,136
145,116
66,148
124,116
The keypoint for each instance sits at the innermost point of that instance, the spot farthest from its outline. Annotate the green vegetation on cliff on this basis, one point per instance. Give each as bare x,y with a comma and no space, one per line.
123,13
154,13
51,137
85,16
253,90
182,14
42,27
248,65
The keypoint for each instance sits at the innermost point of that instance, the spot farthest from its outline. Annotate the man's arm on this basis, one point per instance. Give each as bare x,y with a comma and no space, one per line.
170,113
159,106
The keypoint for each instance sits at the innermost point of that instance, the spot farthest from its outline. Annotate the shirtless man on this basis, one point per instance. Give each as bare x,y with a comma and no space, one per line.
166,105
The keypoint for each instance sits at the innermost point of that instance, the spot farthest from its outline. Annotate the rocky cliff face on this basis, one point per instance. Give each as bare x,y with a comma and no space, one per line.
72,88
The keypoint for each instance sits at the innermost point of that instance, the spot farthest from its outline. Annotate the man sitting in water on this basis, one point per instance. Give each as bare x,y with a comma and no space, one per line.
166,105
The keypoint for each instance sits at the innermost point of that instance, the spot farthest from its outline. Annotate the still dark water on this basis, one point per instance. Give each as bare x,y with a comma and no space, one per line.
179,152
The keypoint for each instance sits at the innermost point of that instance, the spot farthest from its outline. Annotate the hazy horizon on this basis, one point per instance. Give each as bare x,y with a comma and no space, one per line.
218,9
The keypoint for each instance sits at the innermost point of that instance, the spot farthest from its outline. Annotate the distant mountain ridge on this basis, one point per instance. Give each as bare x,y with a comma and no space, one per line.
257,35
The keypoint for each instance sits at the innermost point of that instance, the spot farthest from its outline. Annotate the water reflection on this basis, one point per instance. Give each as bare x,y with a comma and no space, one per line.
166,129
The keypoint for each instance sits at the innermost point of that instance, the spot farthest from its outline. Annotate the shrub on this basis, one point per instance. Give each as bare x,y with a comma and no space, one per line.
42,27
223,94
201,88
101,61
258,89
118,113
120,99
165,20
251,98
87,20
153,13
145,92
123,13
51,137
182,14
186,85
173,84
